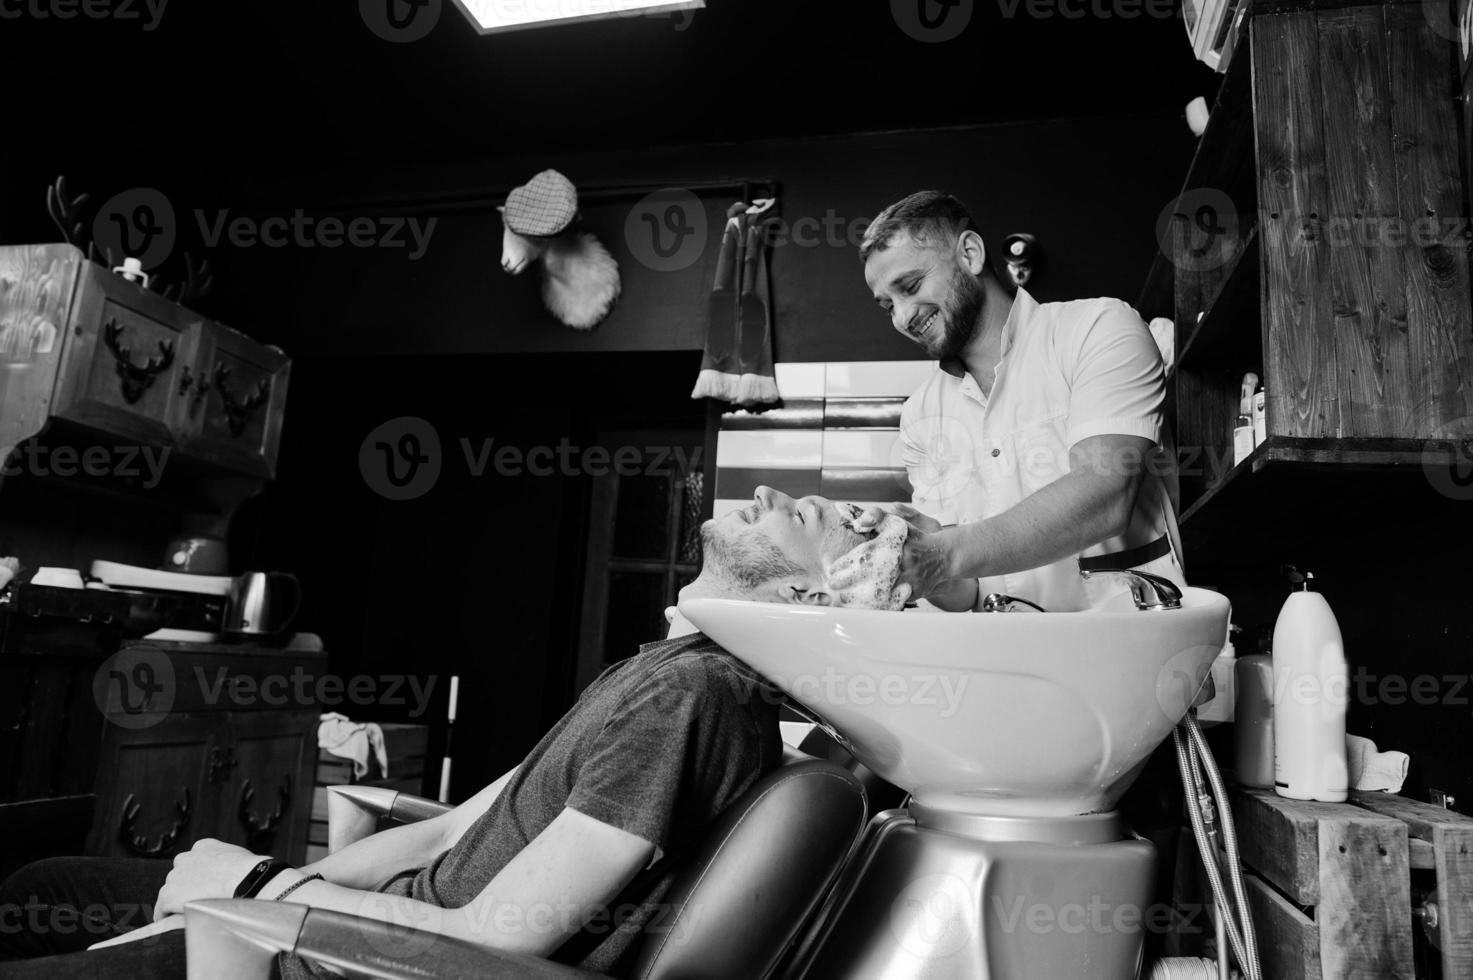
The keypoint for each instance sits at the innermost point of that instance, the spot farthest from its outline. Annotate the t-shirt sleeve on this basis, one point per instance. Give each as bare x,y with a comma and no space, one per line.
677,744
1116,377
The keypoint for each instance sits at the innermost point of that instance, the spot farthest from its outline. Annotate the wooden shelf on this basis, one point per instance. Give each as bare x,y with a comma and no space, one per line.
1158,297
1230,331
1217,163
1283,496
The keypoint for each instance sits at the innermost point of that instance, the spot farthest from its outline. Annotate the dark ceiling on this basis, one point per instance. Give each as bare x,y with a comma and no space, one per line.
311,84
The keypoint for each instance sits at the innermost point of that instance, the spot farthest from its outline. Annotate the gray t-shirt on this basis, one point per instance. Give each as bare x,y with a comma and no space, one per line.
658,746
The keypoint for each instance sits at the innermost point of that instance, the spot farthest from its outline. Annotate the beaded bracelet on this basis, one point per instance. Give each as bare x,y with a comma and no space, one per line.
297,884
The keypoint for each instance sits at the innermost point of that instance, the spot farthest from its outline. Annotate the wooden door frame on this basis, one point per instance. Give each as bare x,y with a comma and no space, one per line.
603,509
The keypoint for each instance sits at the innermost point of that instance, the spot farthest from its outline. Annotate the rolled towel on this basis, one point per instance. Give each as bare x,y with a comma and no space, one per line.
1371,769
865,576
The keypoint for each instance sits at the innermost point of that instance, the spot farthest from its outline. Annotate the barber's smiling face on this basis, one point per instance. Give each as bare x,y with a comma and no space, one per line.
928,292
808,530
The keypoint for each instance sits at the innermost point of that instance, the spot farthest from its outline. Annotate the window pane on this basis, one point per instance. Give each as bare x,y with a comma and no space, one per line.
641,528
636,613
690,518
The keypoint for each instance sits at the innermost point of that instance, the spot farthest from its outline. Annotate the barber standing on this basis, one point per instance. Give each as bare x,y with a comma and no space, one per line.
1035,450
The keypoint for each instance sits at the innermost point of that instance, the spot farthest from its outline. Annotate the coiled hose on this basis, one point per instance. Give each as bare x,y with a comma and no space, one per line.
1233,912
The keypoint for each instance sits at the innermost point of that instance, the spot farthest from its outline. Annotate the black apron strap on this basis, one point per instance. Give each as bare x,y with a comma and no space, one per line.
1129,558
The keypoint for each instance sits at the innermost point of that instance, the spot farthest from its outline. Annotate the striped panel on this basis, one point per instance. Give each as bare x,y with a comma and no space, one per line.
861,448
833,434
875,379
873,485
862,413
783,449
795,413
738,483
801,379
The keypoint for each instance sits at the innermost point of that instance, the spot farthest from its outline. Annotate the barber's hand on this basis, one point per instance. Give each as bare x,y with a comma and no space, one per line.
209,869
925,563
873,515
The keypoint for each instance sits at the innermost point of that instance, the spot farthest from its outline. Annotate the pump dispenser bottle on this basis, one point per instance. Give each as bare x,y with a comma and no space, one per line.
1311,692
1254,718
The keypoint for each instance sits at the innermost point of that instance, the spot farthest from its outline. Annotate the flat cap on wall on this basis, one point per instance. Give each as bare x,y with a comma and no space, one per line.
545,205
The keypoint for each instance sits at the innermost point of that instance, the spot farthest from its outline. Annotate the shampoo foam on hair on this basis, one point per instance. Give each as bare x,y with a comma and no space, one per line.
1311,693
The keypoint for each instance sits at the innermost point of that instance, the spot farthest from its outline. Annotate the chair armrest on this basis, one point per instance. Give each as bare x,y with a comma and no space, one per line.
353,812
239,939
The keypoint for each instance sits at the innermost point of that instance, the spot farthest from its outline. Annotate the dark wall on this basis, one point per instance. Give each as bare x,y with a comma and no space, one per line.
1090,190
477,575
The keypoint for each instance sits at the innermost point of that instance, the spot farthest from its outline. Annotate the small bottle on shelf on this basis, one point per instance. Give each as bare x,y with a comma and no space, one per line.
1254,717
1260,416
1242,439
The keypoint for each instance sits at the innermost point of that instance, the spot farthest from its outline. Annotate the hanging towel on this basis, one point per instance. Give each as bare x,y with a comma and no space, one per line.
737,366
347,739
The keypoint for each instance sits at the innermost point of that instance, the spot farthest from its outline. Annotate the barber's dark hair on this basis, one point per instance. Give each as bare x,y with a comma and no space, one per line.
925,216
748,561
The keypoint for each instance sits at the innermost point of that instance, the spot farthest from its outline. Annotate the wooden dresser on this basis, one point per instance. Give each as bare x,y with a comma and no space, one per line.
141,748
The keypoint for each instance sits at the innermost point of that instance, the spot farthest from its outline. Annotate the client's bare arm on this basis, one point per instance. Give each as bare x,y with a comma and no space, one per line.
368,862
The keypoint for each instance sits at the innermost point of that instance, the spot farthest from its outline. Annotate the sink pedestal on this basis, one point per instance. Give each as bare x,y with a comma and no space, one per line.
936,896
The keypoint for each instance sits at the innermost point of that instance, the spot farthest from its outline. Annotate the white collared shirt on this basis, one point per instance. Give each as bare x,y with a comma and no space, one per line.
1069,371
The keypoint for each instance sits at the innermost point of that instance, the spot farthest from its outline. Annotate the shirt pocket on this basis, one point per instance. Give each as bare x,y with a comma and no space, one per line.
1039,454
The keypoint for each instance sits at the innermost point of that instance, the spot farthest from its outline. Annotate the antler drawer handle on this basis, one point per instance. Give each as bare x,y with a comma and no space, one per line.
136,378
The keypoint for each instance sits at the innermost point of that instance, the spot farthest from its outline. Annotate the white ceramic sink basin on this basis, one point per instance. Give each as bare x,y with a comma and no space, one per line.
1005,714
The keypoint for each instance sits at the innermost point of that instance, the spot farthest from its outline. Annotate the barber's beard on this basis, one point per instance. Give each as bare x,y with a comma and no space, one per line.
961,315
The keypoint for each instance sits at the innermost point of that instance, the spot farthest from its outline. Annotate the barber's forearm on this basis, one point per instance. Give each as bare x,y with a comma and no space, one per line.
366,863
1069,515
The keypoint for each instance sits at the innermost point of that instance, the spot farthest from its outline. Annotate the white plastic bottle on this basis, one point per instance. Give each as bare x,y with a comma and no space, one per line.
1224,699
1311,693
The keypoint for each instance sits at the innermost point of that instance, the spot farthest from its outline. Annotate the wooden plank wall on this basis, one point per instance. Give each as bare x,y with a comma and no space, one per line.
1364,225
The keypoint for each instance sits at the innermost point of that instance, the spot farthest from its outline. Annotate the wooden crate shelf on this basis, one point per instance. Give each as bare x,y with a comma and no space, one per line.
1331,885
406,746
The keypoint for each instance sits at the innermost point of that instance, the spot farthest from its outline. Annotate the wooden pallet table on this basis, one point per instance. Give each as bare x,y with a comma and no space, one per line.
1332,890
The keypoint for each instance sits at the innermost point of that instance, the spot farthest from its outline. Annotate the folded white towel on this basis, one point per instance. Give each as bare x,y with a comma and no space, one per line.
352,740
1371,769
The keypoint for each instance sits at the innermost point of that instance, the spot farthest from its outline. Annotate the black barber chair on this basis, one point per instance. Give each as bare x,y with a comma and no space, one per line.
741,904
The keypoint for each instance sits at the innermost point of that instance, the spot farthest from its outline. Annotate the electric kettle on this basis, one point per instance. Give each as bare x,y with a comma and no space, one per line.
261,603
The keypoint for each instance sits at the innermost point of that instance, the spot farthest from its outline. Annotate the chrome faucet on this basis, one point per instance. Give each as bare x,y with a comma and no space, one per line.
995,602
1150,592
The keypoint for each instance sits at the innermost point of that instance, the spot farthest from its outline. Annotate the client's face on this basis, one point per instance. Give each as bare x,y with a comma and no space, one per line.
807,531
777,546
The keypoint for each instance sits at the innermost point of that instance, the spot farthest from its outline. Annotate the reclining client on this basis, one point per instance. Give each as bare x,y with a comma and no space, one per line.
596,818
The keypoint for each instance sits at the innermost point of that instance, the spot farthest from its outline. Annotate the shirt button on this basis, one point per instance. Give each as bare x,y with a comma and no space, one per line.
996,453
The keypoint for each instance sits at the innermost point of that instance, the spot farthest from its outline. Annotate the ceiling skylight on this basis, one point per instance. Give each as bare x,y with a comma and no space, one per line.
495,16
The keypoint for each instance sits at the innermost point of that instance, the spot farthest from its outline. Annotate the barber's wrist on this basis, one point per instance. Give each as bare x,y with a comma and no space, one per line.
953,545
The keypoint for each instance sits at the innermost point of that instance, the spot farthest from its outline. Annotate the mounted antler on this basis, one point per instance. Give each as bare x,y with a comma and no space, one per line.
198,281
64,212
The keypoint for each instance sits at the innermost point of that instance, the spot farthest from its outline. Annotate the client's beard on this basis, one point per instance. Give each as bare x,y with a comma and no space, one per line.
962,316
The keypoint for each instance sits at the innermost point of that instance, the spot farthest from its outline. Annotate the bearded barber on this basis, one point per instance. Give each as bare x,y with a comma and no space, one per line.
1034,451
